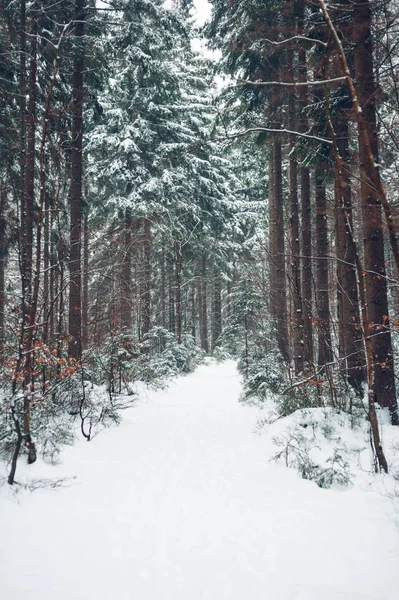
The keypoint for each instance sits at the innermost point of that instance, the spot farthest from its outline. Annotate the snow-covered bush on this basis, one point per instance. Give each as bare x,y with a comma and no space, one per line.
154,360
320,443
51,424
165,357
262,372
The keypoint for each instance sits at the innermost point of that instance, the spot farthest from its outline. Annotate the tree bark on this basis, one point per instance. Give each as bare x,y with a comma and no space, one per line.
217,309
306,211
202,304
85,296
3,254
126,291
351,348
145,291
322,278
178,270
374,255
295,280
75,271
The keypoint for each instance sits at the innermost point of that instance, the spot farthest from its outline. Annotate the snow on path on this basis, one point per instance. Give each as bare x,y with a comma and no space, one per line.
180,503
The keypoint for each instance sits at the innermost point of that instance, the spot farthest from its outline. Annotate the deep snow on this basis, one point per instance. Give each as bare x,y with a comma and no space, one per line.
180,503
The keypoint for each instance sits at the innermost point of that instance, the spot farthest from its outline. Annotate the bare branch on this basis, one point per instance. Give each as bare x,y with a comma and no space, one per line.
294,84
239,134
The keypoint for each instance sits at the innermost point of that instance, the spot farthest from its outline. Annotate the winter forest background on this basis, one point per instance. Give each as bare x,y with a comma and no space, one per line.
157,206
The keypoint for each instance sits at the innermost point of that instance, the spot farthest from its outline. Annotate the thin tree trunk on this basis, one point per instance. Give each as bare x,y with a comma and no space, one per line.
322,279
193,313
28,312
53,278
278,295
163,285
145,293
306,241
46,267
202,304
297,311
171,297
126,292
3,253
178,269
85,297
217,309
75,290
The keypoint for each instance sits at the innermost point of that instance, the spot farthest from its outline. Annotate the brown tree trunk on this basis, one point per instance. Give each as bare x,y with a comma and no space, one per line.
171,297
374,255
202,304
178,270
306,237
54,270
145,293
278,296
163,285
126,287
3,253
29,208
75,290
46,267
216,309
351,348
85,282
295,281
322,278
193,312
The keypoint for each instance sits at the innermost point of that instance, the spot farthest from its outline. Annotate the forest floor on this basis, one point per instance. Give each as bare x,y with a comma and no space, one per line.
181,502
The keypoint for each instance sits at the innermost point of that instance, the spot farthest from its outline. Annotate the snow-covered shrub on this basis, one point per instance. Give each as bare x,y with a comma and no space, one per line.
319,443
165,357
262,372
220,354
114,364
298,397
51,425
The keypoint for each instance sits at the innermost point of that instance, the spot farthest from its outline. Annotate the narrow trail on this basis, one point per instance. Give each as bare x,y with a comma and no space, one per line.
180,503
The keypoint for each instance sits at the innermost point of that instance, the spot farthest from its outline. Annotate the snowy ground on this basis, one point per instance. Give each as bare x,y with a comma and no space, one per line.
181,503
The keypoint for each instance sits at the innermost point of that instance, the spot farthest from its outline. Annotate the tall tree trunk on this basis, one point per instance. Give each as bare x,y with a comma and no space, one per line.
145,293
126,291
28,315
297,311
278,291
193,312
163,284
85,282
202,304
374,255
178,270
216,309
46,267
351,347
75,290
306,241
3,254
171,296
322,278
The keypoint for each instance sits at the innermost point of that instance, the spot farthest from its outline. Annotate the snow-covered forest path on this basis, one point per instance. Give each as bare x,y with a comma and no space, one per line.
180,503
